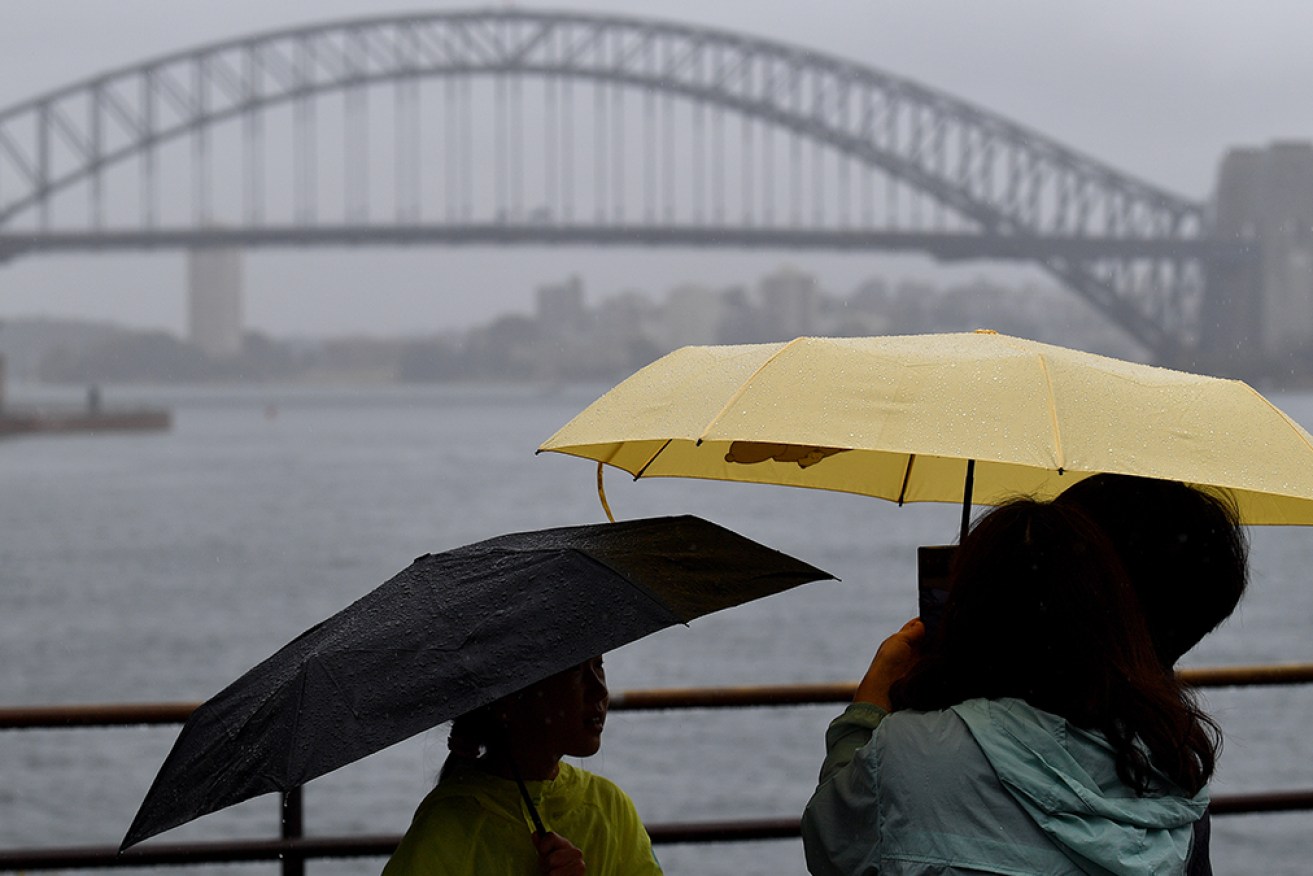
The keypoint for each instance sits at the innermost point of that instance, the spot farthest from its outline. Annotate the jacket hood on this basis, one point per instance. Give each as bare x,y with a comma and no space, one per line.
1065,778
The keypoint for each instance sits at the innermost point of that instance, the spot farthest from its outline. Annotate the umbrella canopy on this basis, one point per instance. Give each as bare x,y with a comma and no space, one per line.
452,632
899,418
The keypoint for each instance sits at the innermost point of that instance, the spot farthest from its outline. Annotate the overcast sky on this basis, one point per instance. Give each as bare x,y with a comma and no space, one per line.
1158,89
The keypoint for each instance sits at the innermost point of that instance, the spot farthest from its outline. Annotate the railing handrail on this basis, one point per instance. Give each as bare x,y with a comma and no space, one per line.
136,714
294,850
155,854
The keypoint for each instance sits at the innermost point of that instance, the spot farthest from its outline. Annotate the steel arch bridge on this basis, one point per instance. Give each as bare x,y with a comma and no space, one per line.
513,126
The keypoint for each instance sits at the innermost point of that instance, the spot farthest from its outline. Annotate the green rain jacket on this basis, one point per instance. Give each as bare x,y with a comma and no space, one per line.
987,786
475,823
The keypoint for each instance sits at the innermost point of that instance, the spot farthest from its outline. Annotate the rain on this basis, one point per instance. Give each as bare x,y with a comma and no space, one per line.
292,295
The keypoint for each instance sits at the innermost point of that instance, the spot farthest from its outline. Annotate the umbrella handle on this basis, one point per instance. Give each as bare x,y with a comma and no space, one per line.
601,494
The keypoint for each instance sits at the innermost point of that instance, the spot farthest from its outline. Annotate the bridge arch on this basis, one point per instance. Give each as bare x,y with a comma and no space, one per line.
1001,180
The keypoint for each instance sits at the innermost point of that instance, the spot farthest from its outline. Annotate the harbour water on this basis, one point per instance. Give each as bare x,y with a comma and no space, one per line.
160,566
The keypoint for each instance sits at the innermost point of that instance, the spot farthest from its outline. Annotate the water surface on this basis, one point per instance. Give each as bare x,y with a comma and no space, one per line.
160,566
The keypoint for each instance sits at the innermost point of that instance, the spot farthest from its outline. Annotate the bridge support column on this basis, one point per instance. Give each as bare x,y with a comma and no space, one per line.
214,298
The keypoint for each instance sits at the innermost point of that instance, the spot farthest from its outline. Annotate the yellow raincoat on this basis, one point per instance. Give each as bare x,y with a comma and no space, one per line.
475,823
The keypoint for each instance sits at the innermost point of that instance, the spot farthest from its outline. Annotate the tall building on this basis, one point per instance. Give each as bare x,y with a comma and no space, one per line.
561,306
1264,311
789,301
692,315
214,299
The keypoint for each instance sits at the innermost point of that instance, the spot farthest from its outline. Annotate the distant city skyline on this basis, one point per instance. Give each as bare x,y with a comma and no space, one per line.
564,339
1160,90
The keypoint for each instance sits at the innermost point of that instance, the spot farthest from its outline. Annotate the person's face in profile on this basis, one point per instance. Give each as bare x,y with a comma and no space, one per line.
568,710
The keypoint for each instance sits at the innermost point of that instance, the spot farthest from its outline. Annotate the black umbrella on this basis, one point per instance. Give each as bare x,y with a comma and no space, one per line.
452,632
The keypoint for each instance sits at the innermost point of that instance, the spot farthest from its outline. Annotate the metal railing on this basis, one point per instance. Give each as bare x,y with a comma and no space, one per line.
292,849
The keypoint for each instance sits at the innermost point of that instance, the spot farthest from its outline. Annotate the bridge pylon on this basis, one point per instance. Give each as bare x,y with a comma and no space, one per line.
214,300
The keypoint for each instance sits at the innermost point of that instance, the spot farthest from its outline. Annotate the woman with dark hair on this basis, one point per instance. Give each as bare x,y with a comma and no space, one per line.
506,803
1037,733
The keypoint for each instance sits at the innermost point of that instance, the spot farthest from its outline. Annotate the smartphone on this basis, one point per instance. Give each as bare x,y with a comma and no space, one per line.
932,565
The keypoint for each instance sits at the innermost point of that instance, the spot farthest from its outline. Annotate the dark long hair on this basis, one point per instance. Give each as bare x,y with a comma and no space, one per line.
471,735
1183,548
1041,609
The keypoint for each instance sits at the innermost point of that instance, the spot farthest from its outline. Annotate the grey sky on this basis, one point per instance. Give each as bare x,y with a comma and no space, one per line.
1159,88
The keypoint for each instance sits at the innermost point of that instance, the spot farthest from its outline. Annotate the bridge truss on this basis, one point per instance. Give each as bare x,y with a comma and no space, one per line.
513,126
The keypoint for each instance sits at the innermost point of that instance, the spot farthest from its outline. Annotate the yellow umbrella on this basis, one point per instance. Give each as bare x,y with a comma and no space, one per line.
918,418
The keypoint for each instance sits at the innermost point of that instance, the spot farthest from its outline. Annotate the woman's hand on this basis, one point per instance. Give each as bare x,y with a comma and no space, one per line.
557,856
895,657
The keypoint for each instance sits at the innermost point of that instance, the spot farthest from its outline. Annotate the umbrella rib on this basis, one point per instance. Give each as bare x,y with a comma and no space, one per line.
651,459
1049,396
1053,413
743,387
296,726
639,588
1301,432
907,476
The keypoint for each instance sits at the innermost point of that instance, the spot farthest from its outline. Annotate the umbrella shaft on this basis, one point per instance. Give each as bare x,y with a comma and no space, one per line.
528,800
967,489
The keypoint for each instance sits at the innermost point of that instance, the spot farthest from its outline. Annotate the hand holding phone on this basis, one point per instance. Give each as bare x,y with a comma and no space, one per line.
932,566
897,655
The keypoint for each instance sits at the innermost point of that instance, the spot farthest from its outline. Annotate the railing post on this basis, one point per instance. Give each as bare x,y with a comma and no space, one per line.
293,826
